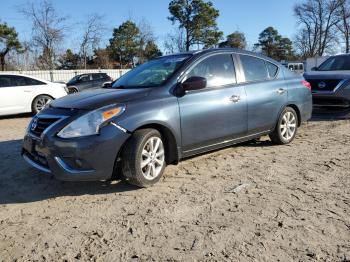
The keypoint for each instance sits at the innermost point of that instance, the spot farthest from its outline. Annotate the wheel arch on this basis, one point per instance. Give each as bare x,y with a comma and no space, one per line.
36,96
297,110
171,145
73,87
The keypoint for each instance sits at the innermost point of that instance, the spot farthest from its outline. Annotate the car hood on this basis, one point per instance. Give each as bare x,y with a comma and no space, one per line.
327,75
96,98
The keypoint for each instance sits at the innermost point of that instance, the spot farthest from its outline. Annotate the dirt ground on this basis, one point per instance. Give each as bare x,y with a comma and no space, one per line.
251,202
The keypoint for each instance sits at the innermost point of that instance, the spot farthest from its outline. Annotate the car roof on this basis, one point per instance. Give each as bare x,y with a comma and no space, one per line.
17,74
216,50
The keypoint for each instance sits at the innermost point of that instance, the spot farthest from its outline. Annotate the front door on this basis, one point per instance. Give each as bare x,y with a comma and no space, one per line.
15,94
217,113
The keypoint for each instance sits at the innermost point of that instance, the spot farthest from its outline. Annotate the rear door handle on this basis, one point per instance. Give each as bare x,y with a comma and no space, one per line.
281,91
235,99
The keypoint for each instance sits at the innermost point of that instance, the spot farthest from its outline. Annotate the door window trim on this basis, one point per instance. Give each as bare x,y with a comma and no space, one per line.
244,81
200,59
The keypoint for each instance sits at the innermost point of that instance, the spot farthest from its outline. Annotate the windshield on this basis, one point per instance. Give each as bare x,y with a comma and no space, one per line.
73,79
336,63
151,74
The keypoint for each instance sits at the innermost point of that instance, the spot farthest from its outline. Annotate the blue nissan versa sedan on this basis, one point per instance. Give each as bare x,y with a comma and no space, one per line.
165,110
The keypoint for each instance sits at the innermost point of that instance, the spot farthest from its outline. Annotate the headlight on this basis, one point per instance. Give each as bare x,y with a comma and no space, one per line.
90,123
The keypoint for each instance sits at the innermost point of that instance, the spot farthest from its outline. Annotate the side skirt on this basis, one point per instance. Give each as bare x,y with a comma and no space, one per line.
223,144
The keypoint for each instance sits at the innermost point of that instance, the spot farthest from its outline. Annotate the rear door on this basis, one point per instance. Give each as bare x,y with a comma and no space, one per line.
217,113
97,80
266,93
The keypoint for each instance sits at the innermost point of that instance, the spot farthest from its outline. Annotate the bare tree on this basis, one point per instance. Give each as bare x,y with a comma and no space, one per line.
146,35
48,30
344,23
91,37
317,20
175,42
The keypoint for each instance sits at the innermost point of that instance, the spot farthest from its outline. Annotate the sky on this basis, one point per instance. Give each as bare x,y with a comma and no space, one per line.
248,16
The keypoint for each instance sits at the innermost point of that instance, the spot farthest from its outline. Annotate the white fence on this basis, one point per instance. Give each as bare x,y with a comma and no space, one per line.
66,75
315,62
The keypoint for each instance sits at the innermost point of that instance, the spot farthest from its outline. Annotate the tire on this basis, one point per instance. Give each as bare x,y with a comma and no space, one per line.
286,128
142,166
40,102
72,90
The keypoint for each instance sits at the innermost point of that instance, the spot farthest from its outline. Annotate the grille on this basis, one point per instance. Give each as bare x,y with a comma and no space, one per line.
41,125
329,84
41,160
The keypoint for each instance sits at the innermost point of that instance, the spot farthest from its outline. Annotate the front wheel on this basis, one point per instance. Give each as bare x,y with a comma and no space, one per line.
143,158
286,127
40,102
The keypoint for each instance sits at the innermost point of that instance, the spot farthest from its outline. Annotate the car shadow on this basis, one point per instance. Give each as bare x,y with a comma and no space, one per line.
16,116
20,183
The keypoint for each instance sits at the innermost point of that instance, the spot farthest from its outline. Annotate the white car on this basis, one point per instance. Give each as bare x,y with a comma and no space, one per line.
24,94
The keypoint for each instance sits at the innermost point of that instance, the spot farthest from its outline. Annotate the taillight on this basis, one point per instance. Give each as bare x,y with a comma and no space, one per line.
306,84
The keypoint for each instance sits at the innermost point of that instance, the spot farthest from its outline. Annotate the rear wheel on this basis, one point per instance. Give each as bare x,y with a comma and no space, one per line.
143,158
40,102
286,128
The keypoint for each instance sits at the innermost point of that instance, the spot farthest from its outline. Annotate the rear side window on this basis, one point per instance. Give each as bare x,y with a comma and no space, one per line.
217,69
33,82
254,68
272,69
19,81
98,76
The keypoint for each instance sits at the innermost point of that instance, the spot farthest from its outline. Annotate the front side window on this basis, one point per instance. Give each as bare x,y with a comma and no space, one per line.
337,63
254,68
84,78
217,69
152,73
5,81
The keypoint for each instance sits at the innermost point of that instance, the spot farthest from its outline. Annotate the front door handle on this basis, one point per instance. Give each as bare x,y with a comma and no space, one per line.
281,91
235,99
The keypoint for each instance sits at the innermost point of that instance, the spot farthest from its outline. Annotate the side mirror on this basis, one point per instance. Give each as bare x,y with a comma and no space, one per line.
107,85
194,83
314,68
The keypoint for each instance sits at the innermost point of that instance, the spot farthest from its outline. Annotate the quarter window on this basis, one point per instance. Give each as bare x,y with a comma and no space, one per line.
218,70
254,68
272,69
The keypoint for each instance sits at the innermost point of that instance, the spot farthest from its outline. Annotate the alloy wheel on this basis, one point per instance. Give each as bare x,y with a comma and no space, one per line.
41,102
288,125
152,158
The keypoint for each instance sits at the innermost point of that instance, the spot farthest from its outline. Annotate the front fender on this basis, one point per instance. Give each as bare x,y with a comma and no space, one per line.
163,112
